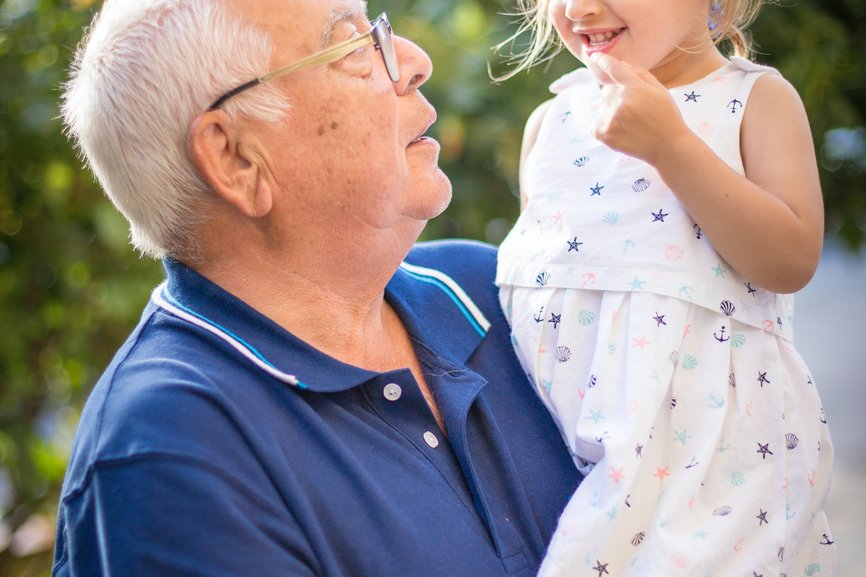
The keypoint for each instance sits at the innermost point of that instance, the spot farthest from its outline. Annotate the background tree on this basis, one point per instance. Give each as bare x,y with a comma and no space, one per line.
71,288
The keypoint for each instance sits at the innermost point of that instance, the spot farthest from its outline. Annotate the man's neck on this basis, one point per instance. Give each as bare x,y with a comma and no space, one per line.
334,301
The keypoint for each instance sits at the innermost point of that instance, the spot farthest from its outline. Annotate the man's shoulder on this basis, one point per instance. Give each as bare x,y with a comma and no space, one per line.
153,394
472,264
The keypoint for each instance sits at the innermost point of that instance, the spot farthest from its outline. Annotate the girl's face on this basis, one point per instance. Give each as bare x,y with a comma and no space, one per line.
670,38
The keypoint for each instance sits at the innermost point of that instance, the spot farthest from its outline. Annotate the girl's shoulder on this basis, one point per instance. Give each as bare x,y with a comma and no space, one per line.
738,63
574,78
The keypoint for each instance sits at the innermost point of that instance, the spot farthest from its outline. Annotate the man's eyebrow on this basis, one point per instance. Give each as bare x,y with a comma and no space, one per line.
342,15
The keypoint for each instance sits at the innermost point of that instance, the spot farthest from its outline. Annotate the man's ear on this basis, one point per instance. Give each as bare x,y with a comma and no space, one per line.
234,169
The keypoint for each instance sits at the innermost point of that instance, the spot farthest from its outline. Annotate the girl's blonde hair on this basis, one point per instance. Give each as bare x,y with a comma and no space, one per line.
727,21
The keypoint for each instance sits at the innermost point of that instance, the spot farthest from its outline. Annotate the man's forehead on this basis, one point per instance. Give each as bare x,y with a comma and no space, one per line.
299,18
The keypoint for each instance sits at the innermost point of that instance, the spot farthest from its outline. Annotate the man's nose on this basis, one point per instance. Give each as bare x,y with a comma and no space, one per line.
415,66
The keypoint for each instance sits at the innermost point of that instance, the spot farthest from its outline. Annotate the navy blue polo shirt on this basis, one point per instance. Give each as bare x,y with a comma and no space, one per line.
218,444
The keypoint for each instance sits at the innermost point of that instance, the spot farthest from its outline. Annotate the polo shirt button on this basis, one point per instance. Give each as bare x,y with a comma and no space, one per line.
392,391
431,440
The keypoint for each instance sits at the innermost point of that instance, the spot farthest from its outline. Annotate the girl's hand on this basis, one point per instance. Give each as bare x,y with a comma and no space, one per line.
767,224
638,115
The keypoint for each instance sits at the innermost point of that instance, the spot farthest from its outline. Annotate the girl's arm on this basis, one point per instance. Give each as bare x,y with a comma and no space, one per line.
768,225
530,135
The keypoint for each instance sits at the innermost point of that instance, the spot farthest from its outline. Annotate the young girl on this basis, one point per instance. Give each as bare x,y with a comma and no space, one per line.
671,204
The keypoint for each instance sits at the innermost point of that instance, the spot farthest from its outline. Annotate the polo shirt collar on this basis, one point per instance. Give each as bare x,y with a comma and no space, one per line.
434,309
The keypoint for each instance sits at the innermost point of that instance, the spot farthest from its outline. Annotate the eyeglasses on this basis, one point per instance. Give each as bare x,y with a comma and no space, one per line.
379,35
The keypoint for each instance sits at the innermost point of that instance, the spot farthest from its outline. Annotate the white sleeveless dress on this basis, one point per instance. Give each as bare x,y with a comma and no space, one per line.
674,380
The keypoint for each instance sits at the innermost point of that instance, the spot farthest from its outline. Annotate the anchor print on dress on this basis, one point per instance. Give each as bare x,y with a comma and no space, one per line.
735,105
539,316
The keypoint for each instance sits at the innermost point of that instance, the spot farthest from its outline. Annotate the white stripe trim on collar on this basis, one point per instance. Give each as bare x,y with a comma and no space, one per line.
467,306
165,301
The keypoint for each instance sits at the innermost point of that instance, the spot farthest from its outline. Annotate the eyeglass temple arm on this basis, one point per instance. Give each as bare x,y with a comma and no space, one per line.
334,53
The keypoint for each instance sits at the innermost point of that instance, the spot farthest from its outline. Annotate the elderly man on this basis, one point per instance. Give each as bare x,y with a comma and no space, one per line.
307,393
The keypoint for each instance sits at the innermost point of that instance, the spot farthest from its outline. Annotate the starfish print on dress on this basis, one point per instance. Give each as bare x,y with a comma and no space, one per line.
749,288
660,217
595,416
762,517
616,474
692,97
555,319
573,245
682,436
661,473
660,319
762,378
638,450
596,190
720,271
764,450
637,284
601,568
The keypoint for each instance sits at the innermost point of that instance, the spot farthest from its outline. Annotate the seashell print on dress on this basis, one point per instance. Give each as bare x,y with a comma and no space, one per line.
562,354
728,308
640,185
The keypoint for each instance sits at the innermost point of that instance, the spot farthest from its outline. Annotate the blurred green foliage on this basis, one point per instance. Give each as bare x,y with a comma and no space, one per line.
71,287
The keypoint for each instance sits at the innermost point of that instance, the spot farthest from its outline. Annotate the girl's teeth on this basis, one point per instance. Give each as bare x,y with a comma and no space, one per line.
601,37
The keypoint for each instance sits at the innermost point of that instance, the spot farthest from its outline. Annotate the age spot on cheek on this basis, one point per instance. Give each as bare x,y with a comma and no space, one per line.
321,128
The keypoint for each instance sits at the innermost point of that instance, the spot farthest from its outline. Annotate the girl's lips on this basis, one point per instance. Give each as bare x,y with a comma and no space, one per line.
599,40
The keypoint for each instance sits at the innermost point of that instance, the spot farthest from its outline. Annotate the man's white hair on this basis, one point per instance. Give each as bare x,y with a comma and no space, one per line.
143,72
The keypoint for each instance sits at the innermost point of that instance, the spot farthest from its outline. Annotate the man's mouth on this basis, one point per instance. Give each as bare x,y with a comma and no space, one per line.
423,135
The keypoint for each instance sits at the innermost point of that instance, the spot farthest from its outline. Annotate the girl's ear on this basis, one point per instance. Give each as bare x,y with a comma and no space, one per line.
233,168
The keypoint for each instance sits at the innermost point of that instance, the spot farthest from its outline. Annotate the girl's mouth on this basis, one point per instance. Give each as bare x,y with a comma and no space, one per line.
600,39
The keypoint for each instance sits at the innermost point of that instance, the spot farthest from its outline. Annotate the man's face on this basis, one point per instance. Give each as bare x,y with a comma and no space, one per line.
350,152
